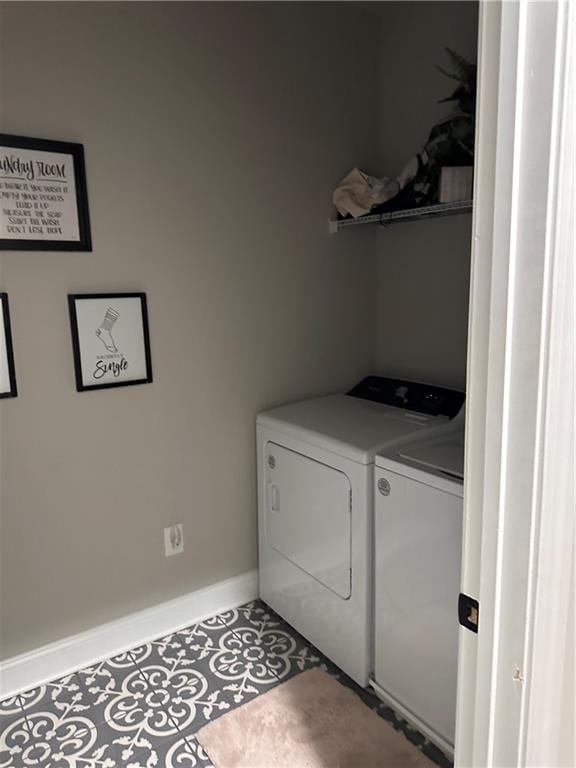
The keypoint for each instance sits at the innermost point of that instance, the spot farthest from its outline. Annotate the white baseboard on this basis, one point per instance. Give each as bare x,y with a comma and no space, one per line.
64,656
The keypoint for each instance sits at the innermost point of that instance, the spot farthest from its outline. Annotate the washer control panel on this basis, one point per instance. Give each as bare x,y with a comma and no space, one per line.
413,396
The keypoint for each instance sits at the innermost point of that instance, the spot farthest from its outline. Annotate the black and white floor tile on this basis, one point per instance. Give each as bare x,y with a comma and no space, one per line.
142,708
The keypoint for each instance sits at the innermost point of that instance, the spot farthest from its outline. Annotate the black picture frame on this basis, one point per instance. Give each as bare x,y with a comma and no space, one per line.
12,390
84,242
73,300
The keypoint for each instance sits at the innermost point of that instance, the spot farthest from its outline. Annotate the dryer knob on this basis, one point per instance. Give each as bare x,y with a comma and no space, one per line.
384,486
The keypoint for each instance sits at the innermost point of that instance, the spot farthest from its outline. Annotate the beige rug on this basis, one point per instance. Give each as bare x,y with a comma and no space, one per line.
311,721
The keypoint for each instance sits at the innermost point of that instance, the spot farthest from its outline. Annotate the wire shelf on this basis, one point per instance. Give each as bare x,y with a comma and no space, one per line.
409,214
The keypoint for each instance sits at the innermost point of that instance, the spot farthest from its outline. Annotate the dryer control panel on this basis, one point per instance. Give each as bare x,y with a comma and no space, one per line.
413,396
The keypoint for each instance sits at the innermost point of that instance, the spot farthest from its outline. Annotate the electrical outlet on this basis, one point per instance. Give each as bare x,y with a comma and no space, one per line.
174,539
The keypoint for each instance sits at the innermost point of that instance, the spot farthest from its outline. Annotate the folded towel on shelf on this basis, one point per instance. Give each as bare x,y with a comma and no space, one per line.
358,193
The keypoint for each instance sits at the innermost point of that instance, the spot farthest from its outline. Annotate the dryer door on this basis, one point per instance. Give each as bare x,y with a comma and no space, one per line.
308,511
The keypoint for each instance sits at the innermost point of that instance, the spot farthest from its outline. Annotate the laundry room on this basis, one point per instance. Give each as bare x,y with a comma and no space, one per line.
235,278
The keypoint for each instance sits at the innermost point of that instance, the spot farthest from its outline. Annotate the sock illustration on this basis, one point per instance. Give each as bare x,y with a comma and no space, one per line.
104,329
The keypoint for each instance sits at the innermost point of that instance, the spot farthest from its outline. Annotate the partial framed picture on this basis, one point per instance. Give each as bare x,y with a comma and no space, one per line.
7,371
43,195
110,340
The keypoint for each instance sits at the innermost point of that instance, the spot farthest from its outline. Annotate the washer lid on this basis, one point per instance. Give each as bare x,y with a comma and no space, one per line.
349,426
443,455
435,459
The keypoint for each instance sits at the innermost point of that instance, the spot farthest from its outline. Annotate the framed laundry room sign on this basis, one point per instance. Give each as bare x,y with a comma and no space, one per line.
7,371
43,195
110,340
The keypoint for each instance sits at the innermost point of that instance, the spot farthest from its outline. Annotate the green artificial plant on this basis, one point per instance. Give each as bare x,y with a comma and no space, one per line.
451,141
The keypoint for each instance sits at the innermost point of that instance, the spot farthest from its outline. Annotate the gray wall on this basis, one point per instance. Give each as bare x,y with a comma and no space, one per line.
423,267
214,135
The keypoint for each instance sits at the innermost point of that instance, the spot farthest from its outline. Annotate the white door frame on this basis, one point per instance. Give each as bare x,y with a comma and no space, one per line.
519,496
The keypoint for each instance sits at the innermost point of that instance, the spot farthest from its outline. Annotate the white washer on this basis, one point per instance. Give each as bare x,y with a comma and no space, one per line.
315,496
418,544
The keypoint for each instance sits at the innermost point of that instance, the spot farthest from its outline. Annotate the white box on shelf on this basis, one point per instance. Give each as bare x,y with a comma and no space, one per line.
456,183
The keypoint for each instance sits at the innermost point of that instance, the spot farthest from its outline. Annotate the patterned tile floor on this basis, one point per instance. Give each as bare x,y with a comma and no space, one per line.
141,709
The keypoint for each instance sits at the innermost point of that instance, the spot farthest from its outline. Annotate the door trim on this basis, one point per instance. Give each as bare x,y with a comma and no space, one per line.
519,283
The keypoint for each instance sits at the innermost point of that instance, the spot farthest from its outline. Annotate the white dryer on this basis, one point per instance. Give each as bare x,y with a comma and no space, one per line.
418,545
315,496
